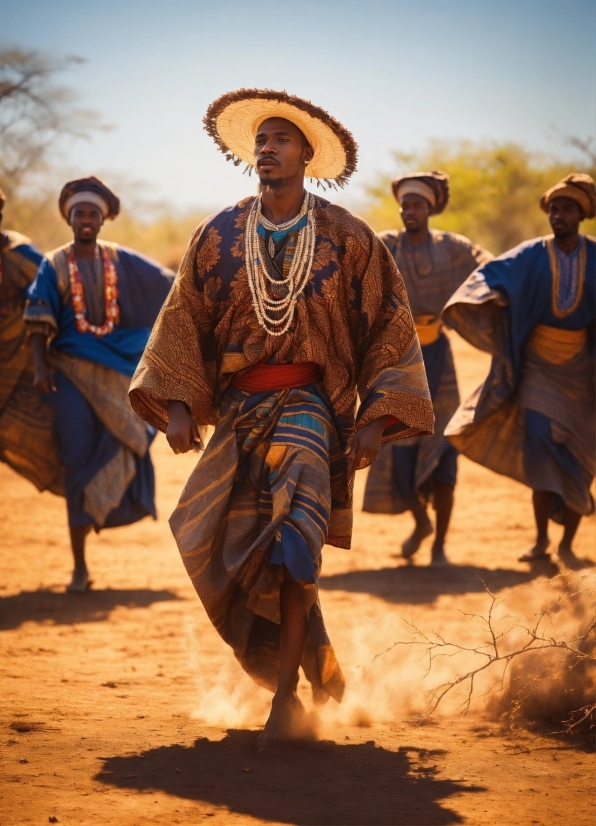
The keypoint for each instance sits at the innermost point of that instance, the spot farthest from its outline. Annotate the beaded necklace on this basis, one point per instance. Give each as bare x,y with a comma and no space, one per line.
275,315
111,294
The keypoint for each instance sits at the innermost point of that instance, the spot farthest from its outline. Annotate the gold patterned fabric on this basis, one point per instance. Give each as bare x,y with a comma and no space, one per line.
26,435
273,484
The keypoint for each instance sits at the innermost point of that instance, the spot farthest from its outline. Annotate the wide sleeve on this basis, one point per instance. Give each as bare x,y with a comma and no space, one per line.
143,289
44,306
391,375
179,361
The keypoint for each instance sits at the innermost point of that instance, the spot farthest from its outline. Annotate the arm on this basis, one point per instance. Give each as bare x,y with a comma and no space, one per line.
182,432
43,381
179,362
366,444
391,378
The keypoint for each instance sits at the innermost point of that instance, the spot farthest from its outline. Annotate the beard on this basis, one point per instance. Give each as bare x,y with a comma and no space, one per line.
273,183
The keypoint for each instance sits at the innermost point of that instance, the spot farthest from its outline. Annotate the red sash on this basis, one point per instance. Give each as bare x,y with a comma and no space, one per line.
263,377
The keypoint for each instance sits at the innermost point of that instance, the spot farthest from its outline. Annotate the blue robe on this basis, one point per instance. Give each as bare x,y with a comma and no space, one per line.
533,417
109,477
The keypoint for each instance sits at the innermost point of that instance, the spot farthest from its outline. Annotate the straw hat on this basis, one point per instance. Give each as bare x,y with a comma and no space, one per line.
233,119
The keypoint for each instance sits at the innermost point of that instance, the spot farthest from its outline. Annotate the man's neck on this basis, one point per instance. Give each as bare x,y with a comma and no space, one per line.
568,244
84,250
417,237
281,204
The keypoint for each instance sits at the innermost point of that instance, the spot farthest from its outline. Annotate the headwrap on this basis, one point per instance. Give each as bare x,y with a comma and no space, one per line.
92,191
433,186
234,118
579,187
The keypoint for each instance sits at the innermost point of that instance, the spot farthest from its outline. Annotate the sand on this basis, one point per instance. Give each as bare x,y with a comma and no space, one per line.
123,706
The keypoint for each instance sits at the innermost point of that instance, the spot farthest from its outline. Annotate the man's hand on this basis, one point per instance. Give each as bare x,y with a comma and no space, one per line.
366,444
43,380
182,432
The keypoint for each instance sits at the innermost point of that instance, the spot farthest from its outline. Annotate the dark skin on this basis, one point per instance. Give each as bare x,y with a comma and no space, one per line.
565,216
86,221
415,213
281,155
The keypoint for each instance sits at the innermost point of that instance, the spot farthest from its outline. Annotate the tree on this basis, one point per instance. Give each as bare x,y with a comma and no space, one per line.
495,190
35,112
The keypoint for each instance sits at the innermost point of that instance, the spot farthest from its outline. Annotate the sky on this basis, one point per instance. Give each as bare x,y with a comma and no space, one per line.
397,73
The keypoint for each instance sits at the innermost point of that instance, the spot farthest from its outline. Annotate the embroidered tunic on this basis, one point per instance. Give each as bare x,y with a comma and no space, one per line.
103,446
273,484
533,418
403,471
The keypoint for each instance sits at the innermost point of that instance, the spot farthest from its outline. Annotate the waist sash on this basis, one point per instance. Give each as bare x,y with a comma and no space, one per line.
263,377
428,328
556,345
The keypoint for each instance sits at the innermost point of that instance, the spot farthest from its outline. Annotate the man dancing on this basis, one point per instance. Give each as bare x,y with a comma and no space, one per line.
89,315
409,474
26,439
284,308
533,418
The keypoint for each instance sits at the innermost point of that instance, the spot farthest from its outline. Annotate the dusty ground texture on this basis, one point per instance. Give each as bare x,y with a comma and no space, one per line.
122,706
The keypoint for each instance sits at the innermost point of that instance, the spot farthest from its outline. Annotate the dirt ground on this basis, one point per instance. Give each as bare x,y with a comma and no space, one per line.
123,706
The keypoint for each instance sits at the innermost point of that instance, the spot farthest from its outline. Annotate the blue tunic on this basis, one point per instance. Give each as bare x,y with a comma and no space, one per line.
85,443
532,419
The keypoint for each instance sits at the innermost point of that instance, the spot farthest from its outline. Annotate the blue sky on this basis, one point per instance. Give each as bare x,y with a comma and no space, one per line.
395,73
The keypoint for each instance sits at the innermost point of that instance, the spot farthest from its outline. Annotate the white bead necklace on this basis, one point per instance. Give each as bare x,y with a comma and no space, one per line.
275,315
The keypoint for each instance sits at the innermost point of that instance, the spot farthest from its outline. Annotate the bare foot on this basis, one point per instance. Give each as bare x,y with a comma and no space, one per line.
538,551
287,721
80,581
413,542
438,556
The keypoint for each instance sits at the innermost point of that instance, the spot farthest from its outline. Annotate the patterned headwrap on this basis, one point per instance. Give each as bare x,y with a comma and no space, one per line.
433,186
92,191
579,187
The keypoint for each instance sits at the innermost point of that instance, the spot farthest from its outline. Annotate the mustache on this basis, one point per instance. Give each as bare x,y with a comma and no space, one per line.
268,159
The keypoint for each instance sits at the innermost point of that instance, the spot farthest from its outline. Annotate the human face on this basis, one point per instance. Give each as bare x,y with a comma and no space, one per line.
281,152
86,221
565,216
414,210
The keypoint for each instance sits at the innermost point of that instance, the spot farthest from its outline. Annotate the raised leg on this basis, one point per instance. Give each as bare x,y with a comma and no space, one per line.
571,521
443,504
80,575
422,529
541,500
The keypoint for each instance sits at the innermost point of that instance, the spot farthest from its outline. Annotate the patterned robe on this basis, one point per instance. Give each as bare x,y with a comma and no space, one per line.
532,419
402,472
273,483
101,444
26,437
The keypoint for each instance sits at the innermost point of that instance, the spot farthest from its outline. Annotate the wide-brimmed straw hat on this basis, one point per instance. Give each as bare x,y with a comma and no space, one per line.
579,187
234,118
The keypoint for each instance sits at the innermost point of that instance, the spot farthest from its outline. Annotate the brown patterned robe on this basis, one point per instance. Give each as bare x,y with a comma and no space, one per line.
26,433
275,473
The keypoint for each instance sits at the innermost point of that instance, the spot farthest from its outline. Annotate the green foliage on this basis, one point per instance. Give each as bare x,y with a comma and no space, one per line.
495,190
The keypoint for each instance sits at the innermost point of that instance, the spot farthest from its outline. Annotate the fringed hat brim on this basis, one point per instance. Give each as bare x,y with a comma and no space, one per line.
233,120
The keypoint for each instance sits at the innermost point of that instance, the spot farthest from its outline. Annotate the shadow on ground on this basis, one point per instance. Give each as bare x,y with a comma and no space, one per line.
417,585
66,609
317,783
